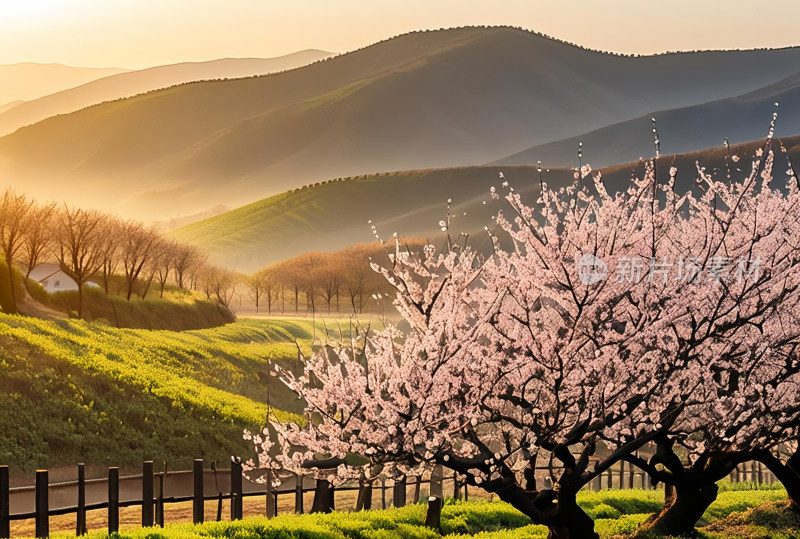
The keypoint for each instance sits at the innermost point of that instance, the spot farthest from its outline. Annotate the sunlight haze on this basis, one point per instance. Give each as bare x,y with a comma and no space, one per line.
136,34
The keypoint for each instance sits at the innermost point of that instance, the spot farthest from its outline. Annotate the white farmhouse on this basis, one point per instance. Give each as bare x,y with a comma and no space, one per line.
53,279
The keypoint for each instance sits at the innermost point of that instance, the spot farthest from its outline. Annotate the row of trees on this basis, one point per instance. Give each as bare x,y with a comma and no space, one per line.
548,351
88,246
331,282
129,259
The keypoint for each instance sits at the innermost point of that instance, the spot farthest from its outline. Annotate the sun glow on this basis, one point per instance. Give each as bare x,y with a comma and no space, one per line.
19,11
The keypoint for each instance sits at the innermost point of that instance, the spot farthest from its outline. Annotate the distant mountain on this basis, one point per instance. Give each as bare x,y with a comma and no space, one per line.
9,106
26,81
739,119
333,215
422,100
145,80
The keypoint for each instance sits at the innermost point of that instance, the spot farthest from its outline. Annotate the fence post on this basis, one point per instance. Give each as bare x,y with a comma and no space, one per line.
631,475
80,520
621,474
198,502
417,487
456,488
610,476
399,492
236,490
5,511
271,502
42,504
162,485
298,495
147,494
113,500
383,493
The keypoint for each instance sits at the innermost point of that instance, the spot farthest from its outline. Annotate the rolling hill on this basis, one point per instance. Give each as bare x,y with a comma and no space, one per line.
332,215
26,81
740,119
136,82
422,100
80,392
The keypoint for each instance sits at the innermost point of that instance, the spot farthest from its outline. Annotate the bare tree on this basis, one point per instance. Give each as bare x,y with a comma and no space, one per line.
137,246
256,283
79,245
38,232
329,278
14,210
288,274
164,262
309,266
111,250
356,275
219,284
187,260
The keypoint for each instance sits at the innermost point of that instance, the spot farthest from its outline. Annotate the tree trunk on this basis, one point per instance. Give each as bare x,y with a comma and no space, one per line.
692,497
323,497
11,286
569,521
80,300
364,500
788,475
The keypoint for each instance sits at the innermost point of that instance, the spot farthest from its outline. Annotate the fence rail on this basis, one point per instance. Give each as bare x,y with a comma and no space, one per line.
199,485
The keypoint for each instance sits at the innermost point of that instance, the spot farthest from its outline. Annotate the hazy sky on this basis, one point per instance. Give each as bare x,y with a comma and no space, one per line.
140,33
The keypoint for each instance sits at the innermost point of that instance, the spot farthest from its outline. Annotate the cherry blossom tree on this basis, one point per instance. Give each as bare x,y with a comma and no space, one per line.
618,320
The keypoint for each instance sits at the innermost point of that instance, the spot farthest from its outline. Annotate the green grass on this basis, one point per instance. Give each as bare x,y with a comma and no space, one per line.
491,520
178,310
77,391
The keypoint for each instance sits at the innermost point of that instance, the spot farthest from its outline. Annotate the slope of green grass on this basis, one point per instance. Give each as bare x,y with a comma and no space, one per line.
334,215
74,391
486,520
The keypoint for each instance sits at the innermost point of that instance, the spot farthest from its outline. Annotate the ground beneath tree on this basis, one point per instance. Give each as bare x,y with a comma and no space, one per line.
771,520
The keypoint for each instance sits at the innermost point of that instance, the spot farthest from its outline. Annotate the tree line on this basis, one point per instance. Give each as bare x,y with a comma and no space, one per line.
88,245
129,259
329,282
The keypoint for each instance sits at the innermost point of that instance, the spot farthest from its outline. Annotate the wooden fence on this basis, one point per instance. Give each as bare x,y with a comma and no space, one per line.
150,491
153,490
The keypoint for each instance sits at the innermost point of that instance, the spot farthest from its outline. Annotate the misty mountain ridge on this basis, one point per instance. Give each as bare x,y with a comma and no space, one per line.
132,83
333,215
738,119
422,100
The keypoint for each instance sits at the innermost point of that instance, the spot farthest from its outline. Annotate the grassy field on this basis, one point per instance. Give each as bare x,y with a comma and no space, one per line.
745,514
75,391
